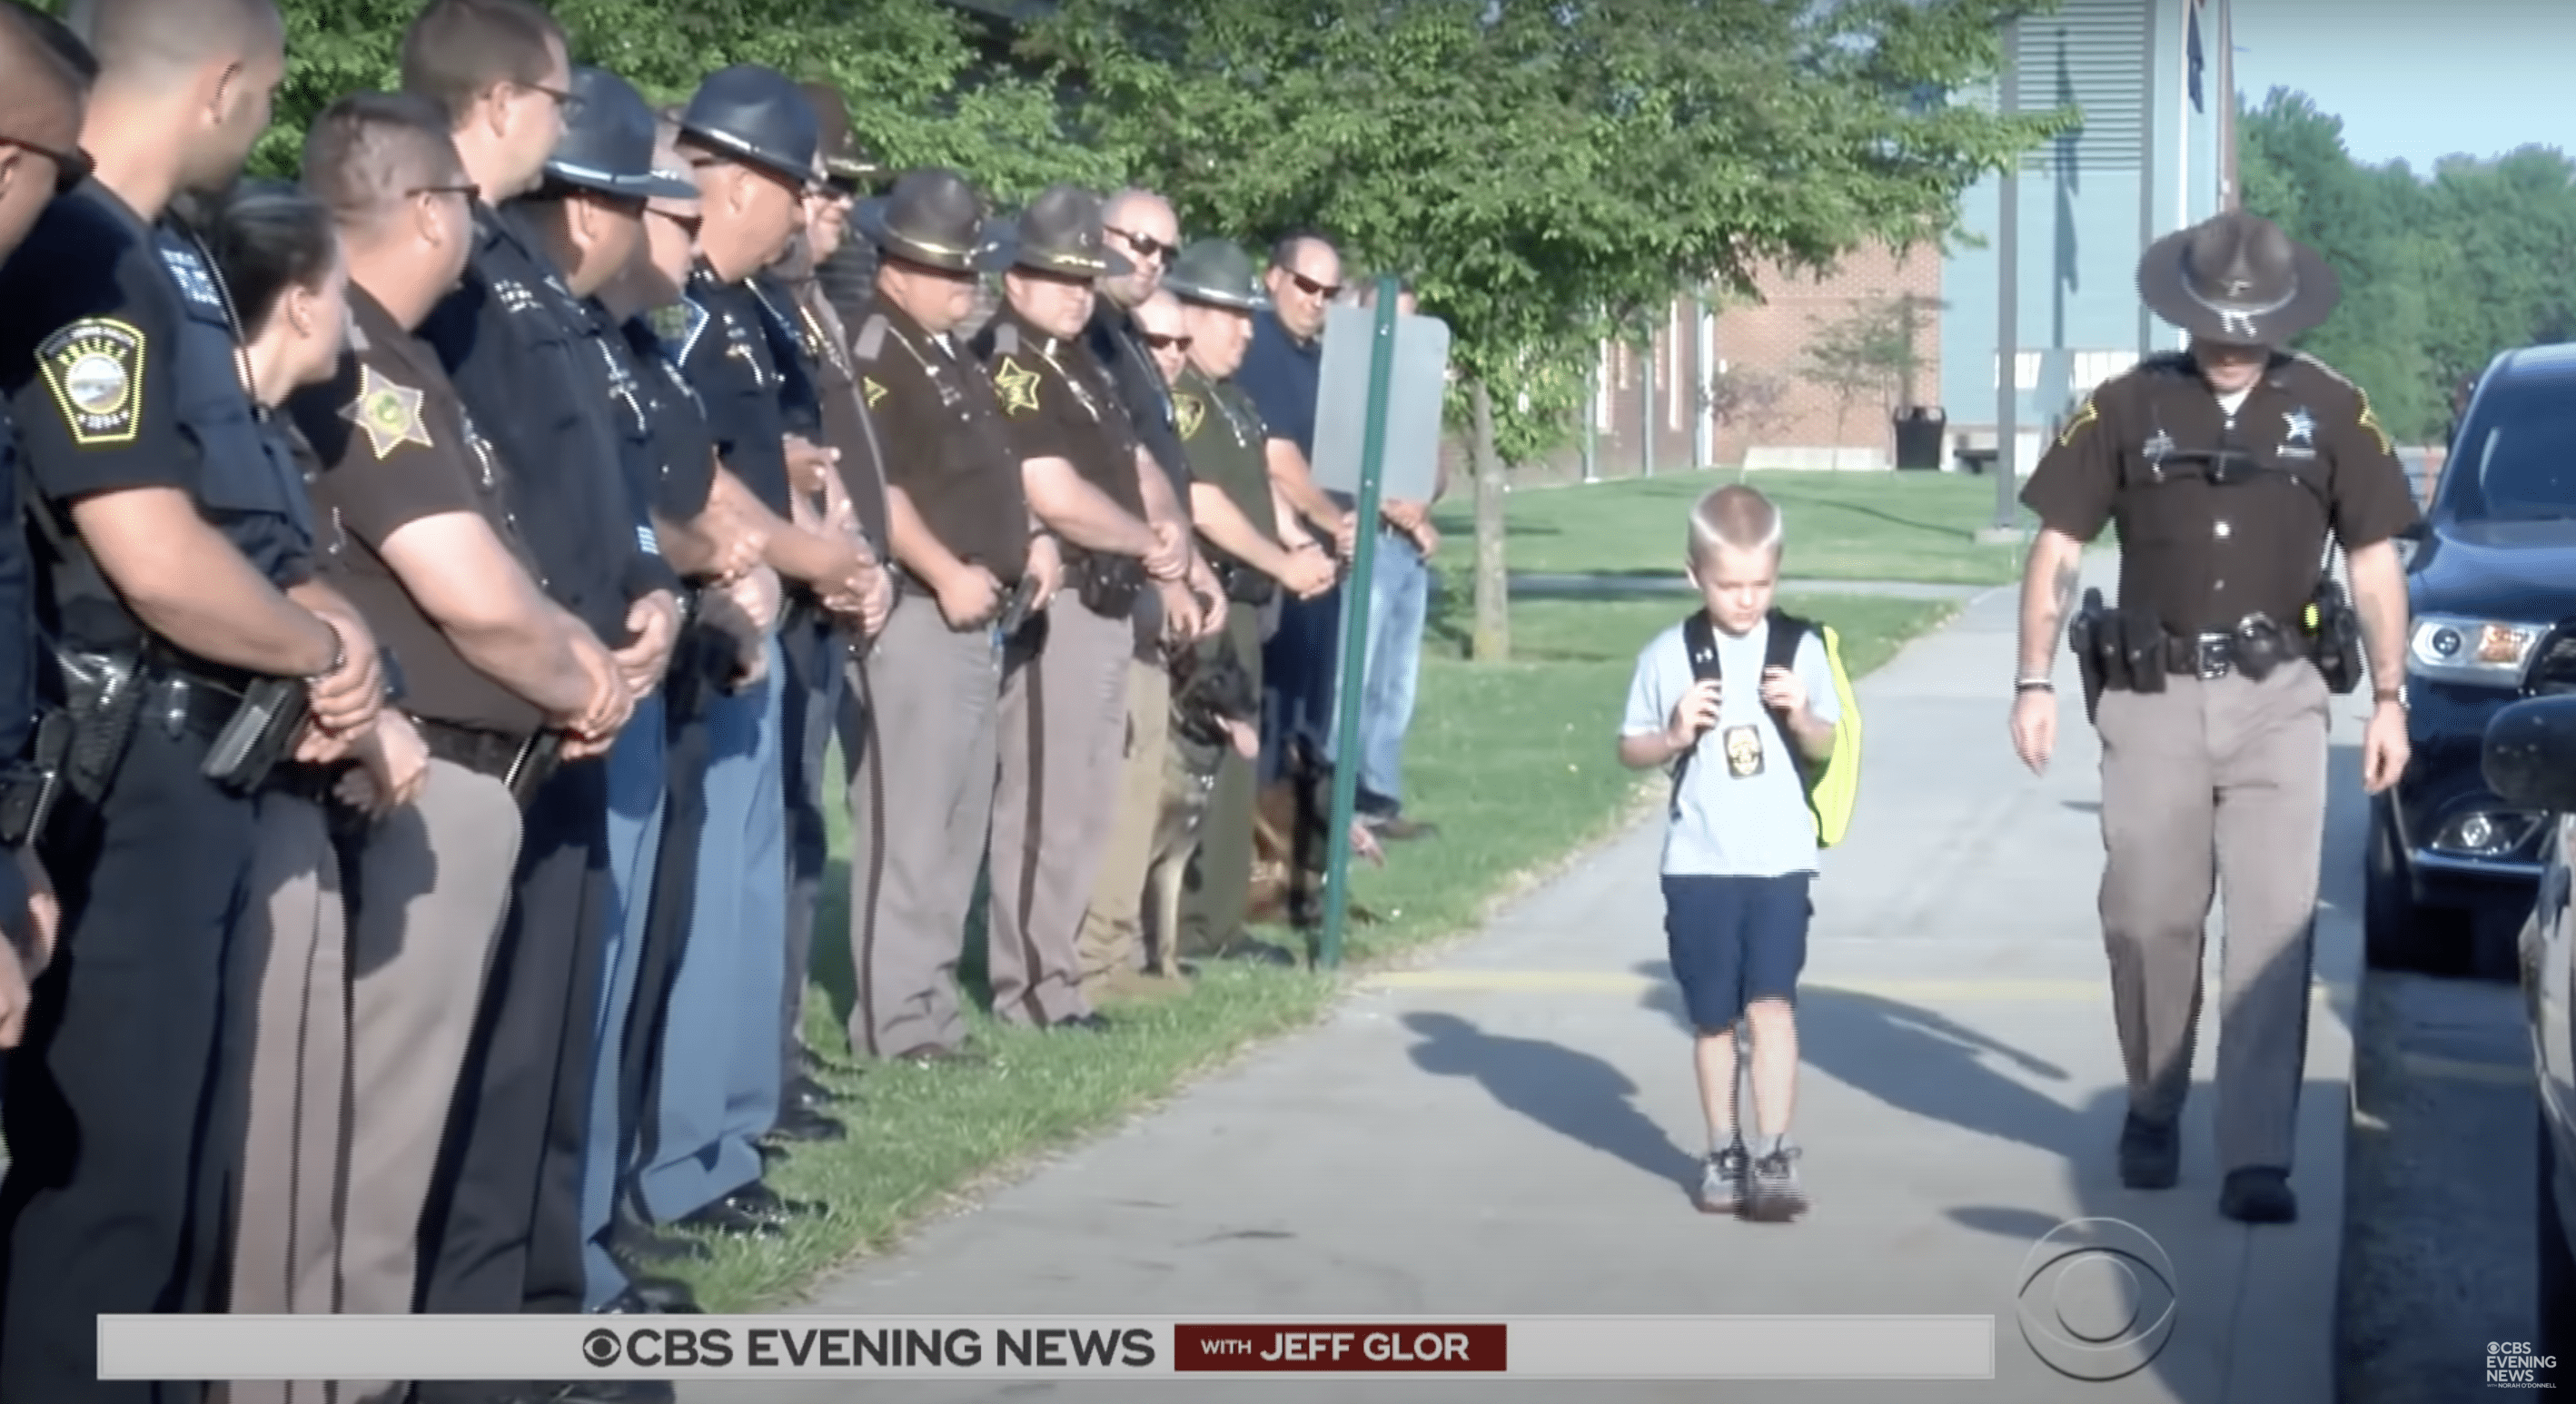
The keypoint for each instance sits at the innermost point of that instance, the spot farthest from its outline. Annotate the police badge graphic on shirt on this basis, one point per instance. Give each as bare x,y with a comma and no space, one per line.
1743,751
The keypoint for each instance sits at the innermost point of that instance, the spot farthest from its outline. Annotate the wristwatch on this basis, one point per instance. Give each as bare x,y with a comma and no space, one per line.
2390,694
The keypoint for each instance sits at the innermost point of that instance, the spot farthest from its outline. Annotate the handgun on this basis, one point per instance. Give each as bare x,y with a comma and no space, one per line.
257,736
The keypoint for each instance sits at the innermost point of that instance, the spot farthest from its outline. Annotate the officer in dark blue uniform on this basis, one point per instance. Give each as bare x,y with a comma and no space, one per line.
175,576
751,137
502,1232
39,136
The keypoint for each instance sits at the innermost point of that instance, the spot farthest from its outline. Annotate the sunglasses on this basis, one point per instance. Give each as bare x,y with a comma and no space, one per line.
70,167
1311,288
1147,246
470,191
1162,342
686,223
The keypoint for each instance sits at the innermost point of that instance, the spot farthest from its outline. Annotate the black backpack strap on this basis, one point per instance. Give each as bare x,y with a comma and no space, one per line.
1780,650
1699,642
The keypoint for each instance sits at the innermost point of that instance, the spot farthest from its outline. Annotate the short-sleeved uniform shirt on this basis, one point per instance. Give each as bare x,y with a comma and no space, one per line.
1283,376
121,369
726,354
1117,344
847,426
945,444
620,391
510,341
1223,433
684,447
1742,809
2202,556
799,390
396,446
1058,403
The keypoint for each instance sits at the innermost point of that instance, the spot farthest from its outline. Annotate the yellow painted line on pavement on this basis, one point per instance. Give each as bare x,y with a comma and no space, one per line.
1620,982
2464,1070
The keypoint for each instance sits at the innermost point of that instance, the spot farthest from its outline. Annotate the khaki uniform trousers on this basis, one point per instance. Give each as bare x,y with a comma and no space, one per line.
1113,930
2215,785
1219,896
921,803
1063,715
365,1012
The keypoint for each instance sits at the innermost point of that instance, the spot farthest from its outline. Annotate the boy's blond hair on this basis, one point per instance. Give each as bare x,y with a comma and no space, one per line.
1735,516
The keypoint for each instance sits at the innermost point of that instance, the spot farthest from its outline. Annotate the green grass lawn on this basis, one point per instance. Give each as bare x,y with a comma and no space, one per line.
1842,526
1514,762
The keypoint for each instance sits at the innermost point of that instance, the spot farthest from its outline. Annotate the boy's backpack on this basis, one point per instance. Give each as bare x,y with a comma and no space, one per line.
1831,788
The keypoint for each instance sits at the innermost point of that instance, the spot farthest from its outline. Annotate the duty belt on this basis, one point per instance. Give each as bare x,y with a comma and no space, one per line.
492,753
187,703
2215,655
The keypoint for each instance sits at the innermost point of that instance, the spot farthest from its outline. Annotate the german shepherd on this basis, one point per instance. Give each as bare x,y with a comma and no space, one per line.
1215,709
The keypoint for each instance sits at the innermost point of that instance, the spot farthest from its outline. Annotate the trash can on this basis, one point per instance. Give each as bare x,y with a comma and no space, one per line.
1918,437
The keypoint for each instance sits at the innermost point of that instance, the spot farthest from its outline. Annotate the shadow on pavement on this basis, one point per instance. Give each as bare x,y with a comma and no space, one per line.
1576,1095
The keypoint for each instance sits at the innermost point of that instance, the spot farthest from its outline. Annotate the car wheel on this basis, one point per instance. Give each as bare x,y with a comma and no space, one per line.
2556,1326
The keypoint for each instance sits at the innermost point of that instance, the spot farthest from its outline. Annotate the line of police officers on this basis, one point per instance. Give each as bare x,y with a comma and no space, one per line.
443,579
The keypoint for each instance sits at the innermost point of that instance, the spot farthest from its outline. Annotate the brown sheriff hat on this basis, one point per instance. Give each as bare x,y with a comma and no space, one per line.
2236,279
1060,233
843,158
934,217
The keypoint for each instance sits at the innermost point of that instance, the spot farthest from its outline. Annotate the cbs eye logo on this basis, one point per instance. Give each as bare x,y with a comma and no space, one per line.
2097,1299
602,1347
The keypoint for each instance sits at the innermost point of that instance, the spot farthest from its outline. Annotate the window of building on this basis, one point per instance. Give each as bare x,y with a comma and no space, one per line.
2025,371
2091,368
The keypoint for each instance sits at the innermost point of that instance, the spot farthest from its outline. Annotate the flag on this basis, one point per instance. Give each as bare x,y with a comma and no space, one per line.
2191,22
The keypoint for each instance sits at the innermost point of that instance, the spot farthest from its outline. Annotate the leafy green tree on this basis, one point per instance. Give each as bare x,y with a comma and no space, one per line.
1552,173
916,72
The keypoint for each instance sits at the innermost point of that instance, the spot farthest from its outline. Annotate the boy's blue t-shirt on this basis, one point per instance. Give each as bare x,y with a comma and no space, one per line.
1743,812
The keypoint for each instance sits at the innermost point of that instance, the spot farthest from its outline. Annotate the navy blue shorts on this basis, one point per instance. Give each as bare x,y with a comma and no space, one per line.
1735,941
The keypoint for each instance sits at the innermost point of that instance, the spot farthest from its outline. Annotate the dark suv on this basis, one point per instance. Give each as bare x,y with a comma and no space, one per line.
2490,574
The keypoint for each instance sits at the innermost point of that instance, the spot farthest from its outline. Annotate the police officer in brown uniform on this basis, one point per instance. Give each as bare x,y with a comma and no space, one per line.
823,702
1064,687
921,799
2230,469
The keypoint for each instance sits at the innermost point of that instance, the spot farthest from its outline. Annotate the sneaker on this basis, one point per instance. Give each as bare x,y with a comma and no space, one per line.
1721,1181
1774,1195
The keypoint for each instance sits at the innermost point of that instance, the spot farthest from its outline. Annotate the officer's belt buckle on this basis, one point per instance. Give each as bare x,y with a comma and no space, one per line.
2213,655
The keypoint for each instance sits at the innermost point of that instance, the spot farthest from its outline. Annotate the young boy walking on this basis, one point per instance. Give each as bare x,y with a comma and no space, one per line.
1740,847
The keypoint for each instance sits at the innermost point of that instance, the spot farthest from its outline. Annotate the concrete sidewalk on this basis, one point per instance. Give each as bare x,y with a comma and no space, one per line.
1513,1128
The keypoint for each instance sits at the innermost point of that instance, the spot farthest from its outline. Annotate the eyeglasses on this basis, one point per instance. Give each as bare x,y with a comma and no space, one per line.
1147,246
70,167
688,224
1161,341
470,191
1311,288
570,103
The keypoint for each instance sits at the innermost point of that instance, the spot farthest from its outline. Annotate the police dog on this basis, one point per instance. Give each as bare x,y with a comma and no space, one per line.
1291,829
1214,709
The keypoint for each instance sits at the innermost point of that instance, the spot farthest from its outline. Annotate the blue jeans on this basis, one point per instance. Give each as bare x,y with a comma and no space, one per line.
636,787
1399,604
719,1087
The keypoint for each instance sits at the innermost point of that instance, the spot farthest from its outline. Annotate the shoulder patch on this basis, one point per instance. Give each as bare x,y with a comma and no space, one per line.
875,391
871,339
1018,384
2086,414
2369,419
388,412
95,370
1188,412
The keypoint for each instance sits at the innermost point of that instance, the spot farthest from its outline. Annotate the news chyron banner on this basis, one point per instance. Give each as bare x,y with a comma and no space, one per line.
718,1348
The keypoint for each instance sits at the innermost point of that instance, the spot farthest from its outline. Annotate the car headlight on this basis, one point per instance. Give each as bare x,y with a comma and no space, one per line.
2480,652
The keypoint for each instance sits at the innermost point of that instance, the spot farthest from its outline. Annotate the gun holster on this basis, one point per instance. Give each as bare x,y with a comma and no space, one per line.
2085,637
102,700
262,728
2333,634
537,761
29,788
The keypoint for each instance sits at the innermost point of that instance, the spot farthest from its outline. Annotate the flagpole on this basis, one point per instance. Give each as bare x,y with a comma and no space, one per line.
2229,197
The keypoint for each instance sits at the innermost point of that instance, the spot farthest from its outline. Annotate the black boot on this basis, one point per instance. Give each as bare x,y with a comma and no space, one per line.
2259,1195
2150,1153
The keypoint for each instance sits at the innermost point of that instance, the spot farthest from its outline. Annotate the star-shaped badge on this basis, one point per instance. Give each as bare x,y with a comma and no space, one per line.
2301,429
1189,412
388,412
1018,384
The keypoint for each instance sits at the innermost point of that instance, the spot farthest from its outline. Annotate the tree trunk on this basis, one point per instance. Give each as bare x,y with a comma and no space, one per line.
1493,636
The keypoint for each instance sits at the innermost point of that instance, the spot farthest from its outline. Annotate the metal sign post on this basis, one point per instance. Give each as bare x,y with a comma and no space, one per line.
1351,681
